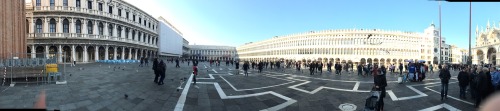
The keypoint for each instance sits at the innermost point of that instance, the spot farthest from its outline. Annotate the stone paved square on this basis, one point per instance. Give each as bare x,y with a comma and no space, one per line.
100,87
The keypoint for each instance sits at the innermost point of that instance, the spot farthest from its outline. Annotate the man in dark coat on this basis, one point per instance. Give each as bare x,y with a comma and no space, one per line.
329,67
155,70
360,69
484,86
238,66
380,83
246,66
260,66
445,76
311,68
162,70
177,63
463,81
320,67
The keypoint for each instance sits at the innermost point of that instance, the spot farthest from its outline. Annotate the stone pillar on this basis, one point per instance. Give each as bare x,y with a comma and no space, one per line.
123,53
46,25
105,30
59,25
85,54
47,51
60,53
72,26
135,54
33,51
31,26
84,26
129,53
114,53
73,57
95,25
96,53
115,33
106,52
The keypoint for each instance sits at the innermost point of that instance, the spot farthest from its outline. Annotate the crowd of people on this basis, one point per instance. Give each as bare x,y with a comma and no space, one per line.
480,81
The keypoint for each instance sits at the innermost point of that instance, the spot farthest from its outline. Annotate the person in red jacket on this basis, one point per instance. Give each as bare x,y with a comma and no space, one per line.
195,72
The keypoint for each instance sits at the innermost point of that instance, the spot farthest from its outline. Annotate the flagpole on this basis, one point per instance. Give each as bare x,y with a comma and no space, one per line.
440,32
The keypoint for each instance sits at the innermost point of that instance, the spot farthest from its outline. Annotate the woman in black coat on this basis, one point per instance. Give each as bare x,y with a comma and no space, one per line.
162,67
155,70
463,82
380,84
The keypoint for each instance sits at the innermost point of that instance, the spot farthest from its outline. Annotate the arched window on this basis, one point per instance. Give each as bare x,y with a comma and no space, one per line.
65,26
52,26
100,28
126,32
27,26
110,30
119,33
52,3
78,27
90,27
133,34
65,3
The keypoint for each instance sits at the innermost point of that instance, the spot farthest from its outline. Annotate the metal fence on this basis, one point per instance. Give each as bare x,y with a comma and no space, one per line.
31,69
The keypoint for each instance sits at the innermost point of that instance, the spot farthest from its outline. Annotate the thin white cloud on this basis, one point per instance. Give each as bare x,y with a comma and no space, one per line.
156,9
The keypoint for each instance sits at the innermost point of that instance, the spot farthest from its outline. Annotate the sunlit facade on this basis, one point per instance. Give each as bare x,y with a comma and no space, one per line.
346,46
487,45
212,52
89,30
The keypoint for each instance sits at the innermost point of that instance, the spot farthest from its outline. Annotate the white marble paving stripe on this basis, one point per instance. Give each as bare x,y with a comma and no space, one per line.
223,95
319,88
231,85
467,102
444,105
214,70
392,95
356,86
182,98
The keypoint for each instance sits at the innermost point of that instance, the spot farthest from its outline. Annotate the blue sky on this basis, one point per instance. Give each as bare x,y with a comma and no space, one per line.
235,22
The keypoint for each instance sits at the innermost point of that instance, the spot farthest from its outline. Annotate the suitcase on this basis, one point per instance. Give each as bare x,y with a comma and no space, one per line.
372,101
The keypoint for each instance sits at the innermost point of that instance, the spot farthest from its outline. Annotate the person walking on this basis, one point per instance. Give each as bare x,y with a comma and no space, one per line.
311,68
445,76
162,70
400,68
195,73
463,81
245,68
146,61
380,83
360,69
320,68
260,66
431,68
155,70
238,67
177,63
142,62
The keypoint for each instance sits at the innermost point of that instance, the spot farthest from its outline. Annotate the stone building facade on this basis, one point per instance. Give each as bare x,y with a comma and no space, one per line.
90,30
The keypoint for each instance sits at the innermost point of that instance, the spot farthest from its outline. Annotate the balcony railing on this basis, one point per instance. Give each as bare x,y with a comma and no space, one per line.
85,36
90,11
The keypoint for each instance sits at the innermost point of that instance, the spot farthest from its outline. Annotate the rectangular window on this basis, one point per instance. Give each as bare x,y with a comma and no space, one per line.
110,9
133,18
140,20
90,28
126,15
65,3
52,28
78,29
120,12
52,3
38,3
100,6
89,4
78,3
39,28
65,28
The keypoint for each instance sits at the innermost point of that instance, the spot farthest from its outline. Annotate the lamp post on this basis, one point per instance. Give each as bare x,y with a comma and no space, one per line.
469,57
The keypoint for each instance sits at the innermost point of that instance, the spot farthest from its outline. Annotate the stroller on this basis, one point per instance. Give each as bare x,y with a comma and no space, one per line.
372,101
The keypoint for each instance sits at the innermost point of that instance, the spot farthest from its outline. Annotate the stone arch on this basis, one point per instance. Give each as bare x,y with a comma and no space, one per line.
40,50
79,53
119,51
362,61
91,53
66,53
52,51
111,53
376,61
102,53
491,55
369,60
480,56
